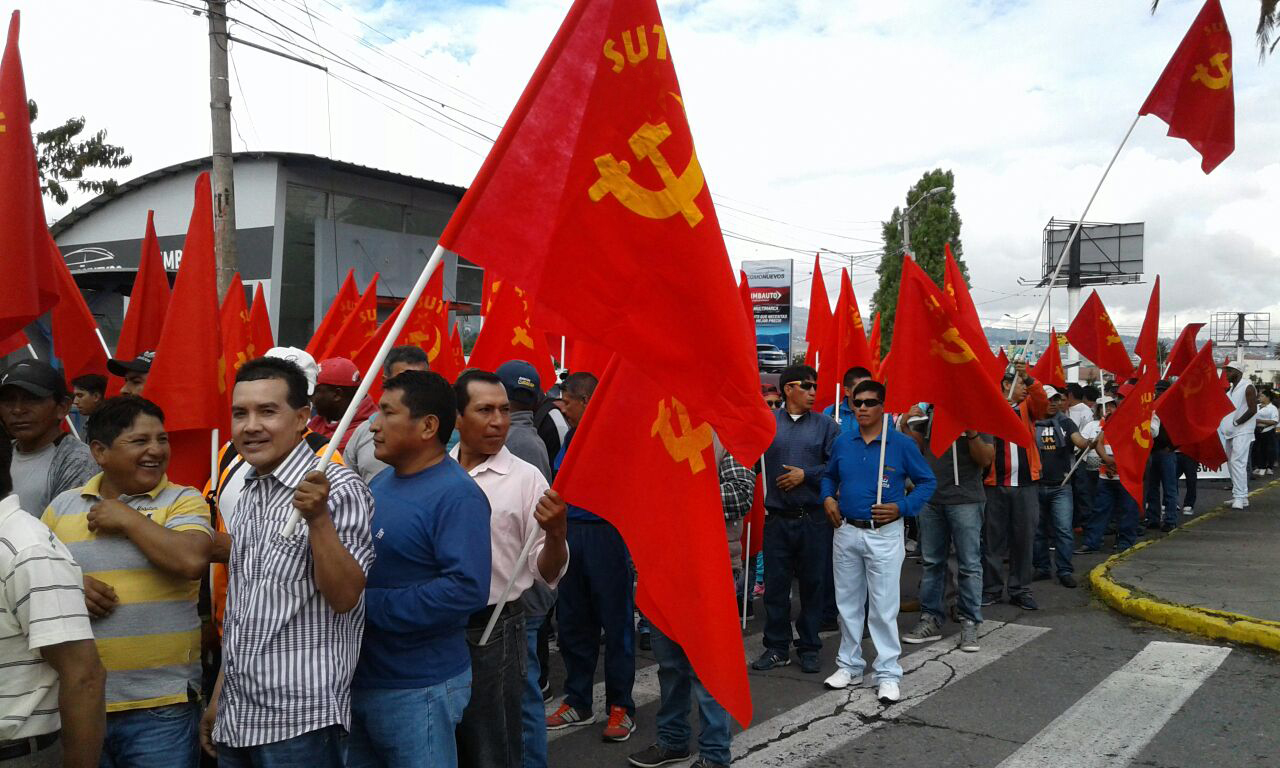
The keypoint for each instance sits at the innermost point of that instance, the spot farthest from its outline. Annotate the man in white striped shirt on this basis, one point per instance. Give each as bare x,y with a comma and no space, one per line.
295,609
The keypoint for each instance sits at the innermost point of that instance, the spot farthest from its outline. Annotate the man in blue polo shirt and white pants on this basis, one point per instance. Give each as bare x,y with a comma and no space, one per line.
869,547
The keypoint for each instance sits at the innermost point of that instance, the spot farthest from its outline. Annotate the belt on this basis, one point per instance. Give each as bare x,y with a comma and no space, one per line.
860,523
480,619
793,513
23,747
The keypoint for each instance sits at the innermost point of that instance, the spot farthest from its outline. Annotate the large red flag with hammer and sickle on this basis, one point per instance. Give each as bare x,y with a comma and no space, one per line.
1095,337
931,361
508,334
1194,94
956,289
593,200
1194,406
1128,432
238,345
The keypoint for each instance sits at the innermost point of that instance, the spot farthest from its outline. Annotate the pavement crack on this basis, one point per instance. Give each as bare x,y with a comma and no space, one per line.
913,722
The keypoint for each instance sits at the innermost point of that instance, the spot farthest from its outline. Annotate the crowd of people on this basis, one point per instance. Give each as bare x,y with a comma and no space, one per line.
408,619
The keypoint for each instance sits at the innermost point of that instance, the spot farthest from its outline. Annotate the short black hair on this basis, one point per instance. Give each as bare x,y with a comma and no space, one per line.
460,387
870,385
853,374
580,384
6,456
426,393
407,354
266,368
795,373
1075,390
116,415
1091,393
93,383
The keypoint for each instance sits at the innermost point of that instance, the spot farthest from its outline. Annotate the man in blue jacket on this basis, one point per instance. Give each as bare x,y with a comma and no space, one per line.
868,546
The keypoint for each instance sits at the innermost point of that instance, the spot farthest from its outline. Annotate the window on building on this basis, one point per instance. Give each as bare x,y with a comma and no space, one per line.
303,206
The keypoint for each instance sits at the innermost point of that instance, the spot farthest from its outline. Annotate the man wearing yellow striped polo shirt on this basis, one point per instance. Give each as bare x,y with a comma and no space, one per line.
143,544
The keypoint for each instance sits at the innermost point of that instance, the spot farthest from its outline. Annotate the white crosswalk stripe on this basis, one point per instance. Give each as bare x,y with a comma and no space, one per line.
833,719
1153,685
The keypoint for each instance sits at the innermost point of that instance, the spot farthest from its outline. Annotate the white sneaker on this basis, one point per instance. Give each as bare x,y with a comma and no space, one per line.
1237,504
839,681
1188,511
888,692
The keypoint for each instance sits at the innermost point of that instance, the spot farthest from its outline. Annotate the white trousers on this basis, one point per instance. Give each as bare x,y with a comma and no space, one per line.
868,569
1237,448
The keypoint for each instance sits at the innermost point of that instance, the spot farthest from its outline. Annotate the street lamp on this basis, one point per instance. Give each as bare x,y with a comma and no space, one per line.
906,216
1015,320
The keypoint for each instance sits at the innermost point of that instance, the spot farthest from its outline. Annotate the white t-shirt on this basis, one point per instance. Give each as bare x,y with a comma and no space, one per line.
1090,431
30,472
1270,413
1081,414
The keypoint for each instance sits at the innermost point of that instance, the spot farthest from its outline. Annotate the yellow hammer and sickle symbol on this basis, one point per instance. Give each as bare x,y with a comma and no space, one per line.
690,443
678,194
521,337
963,352
222,375
1139,431
1214,82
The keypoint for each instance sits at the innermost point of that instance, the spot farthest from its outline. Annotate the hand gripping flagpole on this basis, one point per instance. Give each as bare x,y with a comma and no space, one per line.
884,439
1022,349
375,369
1085,452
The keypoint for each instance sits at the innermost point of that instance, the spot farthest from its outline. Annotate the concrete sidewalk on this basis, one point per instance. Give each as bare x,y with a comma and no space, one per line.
1217,576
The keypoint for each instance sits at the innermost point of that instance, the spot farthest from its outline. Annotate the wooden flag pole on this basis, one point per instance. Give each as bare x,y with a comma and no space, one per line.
375,369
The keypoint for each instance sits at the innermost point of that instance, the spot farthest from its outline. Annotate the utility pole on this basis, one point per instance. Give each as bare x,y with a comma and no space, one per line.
224,199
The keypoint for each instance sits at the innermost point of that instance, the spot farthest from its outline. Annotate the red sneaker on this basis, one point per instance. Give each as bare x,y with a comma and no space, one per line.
568,717
620,725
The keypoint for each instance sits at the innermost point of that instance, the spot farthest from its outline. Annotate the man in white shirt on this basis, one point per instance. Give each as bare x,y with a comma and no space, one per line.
1077,409
1236,431
523,509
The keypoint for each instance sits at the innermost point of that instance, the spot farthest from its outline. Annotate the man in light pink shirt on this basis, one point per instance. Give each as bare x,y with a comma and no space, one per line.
523,508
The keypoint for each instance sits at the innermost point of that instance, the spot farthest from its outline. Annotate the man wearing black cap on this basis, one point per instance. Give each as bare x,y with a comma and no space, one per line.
524,390
134,372
33,402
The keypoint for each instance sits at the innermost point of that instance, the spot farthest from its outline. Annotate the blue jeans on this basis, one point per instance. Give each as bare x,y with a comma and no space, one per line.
940,525
595,594
1162,485
680,684
795,548
323,748
407,727
533,714
1112,499
157,736
1055,524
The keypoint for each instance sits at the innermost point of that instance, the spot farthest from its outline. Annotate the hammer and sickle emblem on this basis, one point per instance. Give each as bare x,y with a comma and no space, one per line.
1193,385
678,193
1143,429
418,337
1214,82
690,443
520,337
963,352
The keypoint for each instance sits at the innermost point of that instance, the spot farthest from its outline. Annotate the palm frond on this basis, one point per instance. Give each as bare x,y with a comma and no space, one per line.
1268,18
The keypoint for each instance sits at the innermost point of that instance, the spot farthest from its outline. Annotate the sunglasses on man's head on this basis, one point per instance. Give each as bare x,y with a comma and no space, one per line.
869,402
805,385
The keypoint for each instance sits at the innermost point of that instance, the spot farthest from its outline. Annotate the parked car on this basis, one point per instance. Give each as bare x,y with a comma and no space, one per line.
770,358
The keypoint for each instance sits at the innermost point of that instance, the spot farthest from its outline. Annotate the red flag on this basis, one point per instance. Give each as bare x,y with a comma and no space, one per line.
1194,406
148,303
455,351
260,322
238,347
588,357
343,306
593,200
846,345
1128,432
358,326
30,284
819,313
1095,337
1147,347
1208,452
1003,360
929,350
1194,94
1048,369
748,306
75,332
671,485
188,376
507,334
752,540
1184,349
14,343
874,344
966,313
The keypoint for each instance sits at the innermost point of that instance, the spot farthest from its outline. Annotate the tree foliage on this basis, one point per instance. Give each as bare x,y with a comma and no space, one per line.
64,157
934,223
1268,22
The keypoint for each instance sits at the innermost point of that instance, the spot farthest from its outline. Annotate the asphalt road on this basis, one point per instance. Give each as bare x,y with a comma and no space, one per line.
1072,685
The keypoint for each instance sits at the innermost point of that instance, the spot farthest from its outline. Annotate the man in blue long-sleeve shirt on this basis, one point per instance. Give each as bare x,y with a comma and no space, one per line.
431,535
797,536
868,547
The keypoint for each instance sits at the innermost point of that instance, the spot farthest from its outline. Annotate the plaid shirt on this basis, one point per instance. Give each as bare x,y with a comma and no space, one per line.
737,488
287,657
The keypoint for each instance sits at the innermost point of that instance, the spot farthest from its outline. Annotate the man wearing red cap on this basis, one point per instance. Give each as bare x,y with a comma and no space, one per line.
336,385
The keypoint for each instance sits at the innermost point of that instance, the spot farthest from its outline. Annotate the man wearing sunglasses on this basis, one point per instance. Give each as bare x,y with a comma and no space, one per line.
869,548
797,536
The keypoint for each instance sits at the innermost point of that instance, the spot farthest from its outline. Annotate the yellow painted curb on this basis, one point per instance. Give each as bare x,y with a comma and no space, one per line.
1218,625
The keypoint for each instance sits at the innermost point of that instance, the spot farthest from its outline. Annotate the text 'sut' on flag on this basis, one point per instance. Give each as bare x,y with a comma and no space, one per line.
343,305
1128,432
593,200
1195,94
1095,337
30,284
667,508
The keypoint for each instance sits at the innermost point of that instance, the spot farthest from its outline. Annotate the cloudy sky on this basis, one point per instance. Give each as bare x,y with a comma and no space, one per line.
812,117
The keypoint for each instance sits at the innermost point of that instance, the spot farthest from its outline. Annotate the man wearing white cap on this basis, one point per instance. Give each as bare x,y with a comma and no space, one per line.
1236,431
1056,437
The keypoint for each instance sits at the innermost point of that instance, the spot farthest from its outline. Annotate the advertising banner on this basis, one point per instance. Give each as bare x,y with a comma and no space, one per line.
770,283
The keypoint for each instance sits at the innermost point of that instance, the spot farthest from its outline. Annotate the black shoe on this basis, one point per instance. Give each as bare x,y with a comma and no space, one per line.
1041,576
770,659
657,755
1166,527
646,643
1085,551
1067,580
990,599
809,663
703,762
1024,601
829,625
1153,524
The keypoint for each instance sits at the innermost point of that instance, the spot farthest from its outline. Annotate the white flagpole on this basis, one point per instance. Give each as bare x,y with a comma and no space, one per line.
563,364
746,572
955,465
214,445
1080,458
884,439
506,591
103,341
1021,352
837,405
375,369
70,425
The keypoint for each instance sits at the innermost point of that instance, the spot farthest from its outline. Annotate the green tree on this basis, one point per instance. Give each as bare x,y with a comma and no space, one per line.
1268,21
934,223
63,157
